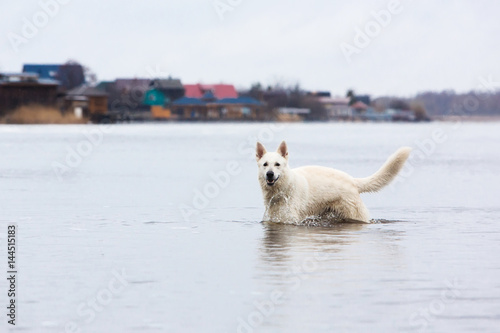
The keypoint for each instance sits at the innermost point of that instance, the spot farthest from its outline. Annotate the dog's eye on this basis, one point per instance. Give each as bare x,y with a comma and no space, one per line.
276,164
265,164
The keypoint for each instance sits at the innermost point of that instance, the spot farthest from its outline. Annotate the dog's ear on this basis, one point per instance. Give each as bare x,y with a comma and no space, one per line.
261,150
283,150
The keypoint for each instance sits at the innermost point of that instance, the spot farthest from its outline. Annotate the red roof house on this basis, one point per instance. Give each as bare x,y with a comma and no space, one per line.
220,91
359,106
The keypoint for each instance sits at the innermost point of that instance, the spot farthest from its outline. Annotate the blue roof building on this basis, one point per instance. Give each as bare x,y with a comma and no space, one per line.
188,101
69,75
208,107
43,71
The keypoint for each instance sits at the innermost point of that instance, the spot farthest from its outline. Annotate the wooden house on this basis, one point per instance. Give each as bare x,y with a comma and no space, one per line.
17,90
87,101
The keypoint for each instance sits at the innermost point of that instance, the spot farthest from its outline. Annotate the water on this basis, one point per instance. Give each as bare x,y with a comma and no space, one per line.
133,233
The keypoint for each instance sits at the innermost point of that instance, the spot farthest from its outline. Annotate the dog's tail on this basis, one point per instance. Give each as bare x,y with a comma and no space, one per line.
386,173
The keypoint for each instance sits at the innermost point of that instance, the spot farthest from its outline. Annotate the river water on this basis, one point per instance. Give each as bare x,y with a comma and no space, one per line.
157,228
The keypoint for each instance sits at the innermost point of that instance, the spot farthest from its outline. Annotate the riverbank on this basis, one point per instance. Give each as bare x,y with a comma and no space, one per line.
40,115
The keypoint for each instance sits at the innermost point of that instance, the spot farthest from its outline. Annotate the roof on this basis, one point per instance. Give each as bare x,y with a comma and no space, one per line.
85,90
20,75
359,105
363,98
132,84
198,101
239,100
219,90
43,71
188,101
70,75
167,84
25,79
48,82
334,100
104,85
208,96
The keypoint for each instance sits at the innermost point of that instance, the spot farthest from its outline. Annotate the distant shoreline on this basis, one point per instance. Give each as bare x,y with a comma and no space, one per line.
467,118
443,119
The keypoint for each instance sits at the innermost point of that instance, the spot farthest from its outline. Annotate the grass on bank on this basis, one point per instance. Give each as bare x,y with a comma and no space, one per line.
36,114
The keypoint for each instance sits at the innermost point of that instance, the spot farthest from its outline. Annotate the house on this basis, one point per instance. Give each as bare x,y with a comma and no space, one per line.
401,115
336,108
104,85
209,107
19,89
361,111
292,114
240,108
160,94
68,75
372,115
158,104
87,101
215,101
127,95
357,110
362,98
172,89
359,107
219,90
189,108
134,85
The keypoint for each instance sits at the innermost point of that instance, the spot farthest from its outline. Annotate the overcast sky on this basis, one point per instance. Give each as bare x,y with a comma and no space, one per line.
420,46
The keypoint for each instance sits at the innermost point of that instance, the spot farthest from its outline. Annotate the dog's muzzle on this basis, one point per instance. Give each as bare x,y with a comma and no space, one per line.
270,180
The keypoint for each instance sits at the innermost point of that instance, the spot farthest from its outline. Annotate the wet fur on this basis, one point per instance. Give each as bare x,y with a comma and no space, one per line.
313,191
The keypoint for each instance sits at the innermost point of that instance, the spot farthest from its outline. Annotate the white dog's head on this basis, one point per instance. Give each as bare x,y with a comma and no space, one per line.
272,165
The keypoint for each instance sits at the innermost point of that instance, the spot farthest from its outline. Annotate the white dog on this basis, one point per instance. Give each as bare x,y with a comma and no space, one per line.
292,195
